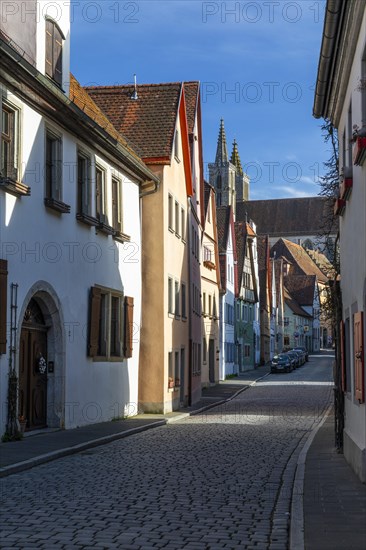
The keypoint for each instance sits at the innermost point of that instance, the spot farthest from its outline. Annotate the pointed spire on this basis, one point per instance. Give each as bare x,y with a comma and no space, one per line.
235,159
221,152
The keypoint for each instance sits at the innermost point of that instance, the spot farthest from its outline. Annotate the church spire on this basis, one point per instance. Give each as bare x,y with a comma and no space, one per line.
235,159
221,151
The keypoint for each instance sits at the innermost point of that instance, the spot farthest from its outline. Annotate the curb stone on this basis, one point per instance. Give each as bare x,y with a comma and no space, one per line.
60,453
297,541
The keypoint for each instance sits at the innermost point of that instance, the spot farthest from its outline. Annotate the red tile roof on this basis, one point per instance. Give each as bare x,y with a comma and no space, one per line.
301,287
223,224
80,97
241,244
191,92
302,264
293,305
148,122
288,217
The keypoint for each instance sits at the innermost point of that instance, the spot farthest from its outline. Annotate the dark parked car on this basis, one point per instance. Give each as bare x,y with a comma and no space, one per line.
300,355
305,352
281,363
294,359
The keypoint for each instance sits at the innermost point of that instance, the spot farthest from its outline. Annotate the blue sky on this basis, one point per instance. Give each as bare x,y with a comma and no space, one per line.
256,61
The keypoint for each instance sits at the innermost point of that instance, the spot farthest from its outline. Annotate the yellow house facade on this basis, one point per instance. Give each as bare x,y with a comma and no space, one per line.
210,284
154,118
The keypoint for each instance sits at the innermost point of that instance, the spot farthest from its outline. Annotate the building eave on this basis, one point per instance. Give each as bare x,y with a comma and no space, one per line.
342,25
44,96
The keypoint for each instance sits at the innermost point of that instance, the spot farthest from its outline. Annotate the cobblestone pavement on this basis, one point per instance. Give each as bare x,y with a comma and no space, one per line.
219,480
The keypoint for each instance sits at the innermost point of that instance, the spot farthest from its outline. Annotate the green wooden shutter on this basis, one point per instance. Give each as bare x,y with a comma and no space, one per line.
359,355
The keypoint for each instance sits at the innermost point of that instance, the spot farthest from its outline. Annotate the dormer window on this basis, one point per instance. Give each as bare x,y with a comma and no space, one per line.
54,38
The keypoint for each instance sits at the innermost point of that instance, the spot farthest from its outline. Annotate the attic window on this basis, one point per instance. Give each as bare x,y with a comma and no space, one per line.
176,145
54,41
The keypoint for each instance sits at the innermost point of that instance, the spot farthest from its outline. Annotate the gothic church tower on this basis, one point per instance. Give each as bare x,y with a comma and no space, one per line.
227,177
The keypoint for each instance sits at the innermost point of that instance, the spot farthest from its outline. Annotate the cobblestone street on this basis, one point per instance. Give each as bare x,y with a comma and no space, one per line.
221,479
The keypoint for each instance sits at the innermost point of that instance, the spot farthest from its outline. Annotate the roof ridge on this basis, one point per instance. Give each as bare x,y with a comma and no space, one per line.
145,85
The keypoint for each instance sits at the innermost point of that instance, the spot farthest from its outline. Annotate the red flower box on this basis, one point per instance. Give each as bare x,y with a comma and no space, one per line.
359,154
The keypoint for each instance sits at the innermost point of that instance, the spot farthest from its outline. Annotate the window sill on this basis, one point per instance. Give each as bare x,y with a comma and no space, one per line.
58,206
14,187
184,319
171,229
104,228
177,235
210,265
121,237
88,220
101,359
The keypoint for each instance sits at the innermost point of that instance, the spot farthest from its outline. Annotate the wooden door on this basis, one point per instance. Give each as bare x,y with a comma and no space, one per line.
33,374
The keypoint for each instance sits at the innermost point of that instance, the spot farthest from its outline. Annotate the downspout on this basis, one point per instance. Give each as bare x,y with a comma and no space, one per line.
152,191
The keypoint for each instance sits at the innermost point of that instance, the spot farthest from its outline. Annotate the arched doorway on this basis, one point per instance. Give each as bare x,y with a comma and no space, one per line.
33,367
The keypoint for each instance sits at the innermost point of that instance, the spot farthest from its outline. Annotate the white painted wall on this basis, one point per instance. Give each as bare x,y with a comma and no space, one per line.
41,245
227,332
353,251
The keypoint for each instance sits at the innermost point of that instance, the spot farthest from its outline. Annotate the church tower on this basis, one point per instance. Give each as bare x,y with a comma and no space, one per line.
227,177
241,178
222,173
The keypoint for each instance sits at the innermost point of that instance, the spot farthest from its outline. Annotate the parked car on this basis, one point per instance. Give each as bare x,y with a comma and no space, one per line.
281,363
305,352
300,355
294,359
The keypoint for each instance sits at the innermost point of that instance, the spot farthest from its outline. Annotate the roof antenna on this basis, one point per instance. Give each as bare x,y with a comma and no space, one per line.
134,95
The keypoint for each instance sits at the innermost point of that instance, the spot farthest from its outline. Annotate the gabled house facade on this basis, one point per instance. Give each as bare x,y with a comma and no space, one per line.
297,323
228,290
340,97
169,364
304,290
265,300
196,220
247,298
70,196
210,286
278,301
301,263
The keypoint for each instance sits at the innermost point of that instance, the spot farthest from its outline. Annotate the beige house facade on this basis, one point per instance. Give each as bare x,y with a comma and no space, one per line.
164,370
210,285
